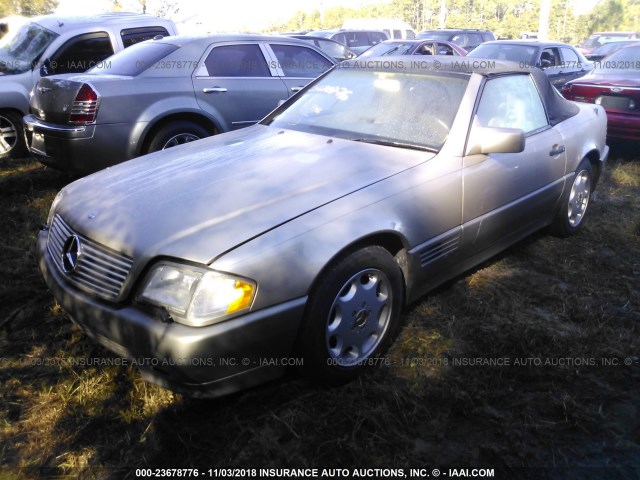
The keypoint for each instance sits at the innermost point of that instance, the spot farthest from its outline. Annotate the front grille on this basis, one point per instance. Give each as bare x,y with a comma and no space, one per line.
99,269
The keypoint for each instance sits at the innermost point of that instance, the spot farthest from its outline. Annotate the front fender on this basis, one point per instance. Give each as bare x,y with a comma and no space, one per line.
14,95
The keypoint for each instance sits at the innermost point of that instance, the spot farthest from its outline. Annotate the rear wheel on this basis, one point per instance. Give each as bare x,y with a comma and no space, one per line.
353,315
177,133
12,144
571,215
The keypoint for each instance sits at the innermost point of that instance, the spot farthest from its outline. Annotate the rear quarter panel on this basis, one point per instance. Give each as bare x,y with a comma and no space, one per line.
583,133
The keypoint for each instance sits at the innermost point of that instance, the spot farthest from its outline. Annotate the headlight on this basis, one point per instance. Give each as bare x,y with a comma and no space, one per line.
197,296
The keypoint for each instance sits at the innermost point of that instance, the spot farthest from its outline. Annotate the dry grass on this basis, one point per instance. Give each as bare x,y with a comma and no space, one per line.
572,302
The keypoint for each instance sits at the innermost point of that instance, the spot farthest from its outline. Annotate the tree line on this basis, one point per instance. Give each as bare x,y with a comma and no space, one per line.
506,18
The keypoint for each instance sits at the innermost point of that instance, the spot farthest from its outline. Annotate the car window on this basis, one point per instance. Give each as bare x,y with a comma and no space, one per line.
396,33
512,102
81,53
474,39
131,36
298,61
569,57
410,34
461,40
340,37
357,39
245,60
626,60
444,49
332,48
21,52
376,37
550,57
136,59
425,49
524,54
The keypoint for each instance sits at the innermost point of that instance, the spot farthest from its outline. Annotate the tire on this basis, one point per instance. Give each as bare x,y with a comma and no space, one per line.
12,143
176,133
573,210
353,315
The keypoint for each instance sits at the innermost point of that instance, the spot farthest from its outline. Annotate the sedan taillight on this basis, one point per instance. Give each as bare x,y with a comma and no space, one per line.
85,106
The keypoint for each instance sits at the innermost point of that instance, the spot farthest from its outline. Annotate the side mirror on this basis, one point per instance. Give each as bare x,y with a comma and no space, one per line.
45,68
486,140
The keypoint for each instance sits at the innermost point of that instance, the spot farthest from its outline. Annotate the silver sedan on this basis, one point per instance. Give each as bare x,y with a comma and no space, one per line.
162,93
216,263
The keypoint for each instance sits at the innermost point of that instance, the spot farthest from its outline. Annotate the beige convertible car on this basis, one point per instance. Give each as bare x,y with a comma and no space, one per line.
216,263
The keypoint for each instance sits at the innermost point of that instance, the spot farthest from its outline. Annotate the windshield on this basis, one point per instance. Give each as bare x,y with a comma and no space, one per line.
625,60
391,48
20,52
399,108
524,54
136,59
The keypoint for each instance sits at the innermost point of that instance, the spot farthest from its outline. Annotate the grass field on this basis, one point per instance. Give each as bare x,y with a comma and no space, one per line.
529,362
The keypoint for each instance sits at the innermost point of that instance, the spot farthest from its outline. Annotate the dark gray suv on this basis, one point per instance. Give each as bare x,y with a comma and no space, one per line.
357,40
467,38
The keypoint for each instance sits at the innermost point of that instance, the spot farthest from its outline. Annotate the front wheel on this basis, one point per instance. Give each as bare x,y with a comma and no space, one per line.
353,315
571,215
176,133
12,143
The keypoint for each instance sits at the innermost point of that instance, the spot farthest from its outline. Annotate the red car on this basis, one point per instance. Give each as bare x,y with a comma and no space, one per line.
614,84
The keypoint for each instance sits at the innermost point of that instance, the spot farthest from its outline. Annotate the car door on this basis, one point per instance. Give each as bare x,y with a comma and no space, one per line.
510,194
297,64
572,66
80,54
551,62
237,85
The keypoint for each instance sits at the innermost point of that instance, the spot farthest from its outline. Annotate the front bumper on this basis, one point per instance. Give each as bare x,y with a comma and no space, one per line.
202,361
79,149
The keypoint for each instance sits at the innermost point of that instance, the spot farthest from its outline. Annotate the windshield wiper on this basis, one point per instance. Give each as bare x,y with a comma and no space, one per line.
390,143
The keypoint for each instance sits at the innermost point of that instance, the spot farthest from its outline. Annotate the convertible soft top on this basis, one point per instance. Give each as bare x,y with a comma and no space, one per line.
558,108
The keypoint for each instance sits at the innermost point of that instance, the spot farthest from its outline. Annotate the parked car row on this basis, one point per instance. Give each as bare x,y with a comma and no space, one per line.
170,91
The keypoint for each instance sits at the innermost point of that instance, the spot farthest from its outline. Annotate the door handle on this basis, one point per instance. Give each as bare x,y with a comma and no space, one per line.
296,89
214,90
557,151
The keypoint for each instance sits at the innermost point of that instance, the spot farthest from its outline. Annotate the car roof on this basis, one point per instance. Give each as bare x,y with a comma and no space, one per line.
558,108
181,40
59,24
615,33
413,40
440,63
456,30
528,43
338,30
311,37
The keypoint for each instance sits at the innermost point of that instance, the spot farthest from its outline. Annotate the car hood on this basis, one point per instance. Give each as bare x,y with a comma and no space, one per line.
202,199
